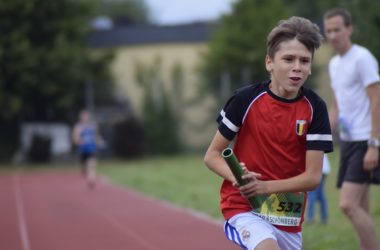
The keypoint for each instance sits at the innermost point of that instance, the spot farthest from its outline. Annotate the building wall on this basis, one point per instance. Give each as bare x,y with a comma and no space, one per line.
193,128
124,66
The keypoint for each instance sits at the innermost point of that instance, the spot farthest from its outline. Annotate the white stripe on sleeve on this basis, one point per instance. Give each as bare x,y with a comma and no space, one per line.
228,123
319,137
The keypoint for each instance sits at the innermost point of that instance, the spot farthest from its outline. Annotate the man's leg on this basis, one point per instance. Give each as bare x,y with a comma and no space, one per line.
91,171
364,203
351,203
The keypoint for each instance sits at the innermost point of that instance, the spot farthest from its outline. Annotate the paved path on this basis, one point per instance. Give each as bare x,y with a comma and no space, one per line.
56,211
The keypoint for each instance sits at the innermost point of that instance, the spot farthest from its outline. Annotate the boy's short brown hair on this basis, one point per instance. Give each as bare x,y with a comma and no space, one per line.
298,28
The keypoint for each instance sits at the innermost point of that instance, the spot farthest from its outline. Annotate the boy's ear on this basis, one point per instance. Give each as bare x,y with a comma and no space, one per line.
268,63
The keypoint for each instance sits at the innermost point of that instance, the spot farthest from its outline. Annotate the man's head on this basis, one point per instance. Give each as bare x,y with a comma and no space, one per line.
297,28
338,29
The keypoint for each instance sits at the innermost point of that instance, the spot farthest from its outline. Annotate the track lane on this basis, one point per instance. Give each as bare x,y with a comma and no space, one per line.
60,212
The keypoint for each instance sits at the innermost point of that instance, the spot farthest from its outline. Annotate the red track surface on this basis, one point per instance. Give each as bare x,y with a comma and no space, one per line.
56,211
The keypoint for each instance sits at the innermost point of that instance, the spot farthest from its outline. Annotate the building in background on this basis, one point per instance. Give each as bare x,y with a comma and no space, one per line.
174,47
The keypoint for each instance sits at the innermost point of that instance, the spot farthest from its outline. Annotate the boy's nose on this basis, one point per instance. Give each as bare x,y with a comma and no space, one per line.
297,66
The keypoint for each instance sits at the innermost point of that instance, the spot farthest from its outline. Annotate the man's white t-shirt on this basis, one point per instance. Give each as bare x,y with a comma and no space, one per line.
350,75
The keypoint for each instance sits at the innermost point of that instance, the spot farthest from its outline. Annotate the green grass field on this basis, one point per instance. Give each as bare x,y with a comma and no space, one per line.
184,180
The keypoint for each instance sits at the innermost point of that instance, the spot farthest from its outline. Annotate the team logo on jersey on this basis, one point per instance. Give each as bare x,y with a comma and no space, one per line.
300,127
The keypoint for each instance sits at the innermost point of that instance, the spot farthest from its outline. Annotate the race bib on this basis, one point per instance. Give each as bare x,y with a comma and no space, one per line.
283,209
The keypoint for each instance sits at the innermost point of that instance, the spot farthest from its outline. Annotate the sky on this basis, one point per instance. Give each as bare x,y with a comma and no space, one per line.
166,12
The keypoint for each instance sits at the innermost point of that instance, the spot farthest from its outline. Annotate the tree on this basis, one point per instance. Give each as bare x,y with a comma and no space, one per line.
124,12
237,50
310,9
45,61
238,47
366,20
161,126
365,15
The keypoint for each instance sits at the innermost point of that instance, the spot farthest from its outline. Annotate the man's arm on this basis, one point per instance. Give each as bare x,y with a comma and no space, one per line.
373,92
333,115
371,158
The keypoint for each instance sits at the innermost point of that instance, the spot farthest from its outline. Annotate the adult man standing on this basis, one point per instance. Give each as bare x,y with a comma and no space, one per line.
355,80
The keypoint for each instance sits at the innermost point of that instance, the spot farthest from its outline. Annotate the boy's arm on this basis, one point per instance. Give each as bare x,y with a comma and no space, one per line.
76,135
303,182
98,138
214,160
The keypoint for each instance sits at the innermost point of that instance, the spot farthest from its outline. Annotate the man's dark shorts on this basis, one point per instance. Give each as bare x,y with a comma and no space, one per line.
351,164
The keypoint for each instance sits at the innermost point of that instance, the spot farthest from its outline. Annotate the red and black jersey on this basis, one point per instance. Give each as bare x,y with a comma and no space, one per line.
272,136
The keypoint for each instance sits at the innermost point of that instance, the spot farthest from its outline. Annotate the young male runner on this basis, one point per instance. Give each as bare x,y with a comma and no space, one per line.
280,131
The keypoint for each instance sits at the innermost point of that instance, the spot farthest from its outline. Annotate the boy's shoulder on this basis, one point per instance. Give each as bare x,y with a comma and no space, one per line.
252,89
312,96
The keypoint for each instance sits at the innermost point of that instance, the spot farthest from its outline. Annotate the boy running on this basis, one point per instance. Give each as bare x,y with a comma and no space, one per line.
280,131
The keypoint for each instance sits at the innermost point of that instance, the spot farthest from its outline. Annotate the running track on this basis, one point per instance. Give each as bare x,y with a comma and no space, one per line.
56,211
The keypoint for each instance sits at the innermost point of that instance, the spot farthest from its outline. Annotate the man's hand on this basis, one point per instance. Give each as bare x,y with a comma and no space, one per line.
371,159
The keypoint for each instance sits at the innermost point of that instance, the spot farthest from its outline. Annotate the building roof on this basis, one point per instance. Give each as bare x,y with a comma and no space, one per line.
138,35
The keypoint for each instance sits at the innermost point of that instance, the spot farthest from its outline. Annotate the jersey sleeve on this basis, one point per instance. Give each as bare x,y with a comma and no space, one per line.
319,134
230,117
368,69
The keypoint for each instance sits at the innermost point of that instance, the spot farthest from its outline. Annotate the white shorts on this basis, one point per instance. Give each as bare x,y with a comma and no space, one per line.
247,230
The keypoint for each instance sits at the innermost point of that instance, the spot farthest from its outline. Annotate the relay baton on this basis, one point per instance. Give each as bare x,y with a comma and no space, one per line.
237,171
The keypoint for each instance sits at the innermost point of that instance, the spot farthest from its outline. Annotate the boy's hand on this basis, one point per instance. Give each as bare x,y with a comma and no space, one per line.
254,185
247,175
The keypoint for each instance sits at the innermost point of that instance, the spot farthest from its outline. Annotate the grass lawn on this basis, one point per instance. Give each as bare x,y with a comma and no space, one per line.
184,180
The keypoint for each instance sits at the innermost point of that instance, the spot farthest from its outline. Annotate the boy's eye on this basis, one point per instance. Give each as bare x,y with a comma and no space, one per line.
301,60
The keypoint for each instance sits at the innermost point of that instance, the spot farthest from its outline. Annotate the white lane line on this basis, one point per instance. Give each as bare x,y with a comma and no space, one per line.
21,214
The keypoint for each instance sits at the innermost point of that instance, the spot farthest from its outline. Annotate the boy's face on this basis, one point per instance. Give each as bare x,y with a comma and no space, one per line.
338,34
289,68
